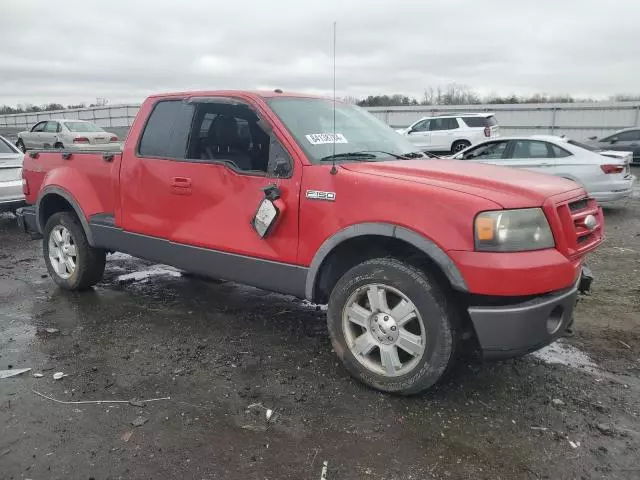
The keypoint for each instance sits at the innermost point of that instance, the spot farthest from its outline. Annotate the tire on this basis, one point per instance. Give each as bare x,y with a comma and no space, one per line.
459,145
20,145
88,262
58,146
431,329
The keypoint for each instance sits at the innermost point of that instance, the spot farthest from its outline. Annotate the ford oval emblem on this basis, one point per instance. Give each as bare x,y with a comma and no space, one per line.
590,222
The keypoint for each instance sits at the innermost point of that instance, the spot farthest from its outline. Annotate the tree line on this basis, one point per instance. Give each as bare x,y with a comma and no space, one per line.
454,94
49,107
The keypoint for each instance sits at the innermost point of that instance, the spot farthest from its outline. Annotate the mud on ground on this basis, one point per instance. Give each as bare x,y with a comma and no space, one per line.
216,348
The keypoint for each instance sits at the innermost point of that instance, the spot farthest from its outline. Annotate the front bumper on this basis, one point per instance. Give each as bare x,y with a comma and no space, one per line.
514,330
27,221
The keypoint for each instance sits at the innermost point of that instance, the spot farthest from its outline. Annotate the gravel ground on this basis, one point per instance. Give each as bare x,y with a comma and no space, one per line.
225,353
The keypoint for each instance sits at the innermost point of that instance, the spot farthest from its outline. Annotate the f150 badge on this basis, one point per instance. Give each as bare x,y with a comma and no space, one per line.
318,195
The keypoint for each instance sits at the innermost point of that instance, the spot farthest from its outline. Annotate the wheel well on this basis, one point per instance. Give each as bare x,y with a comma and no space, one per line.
356,250
50,204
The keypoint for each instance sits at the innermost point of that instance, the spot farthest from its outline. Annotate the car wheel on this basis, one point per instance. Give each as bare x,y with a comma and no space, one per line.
20,145
391,326
459,146
71,261
58,146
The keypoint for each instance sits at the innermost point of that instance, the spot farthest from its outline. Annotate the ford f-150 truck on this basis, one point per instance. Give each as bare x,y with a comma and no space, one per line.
300,195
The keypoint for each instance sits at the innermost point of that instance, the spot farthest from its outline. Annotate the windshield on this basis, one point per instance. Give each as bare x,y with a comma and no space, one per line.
6,147
582,145
310,121
83,127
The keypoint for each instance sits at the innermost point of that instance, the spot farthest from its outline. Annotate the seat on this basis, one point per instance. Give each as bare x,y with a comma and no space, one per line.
224,143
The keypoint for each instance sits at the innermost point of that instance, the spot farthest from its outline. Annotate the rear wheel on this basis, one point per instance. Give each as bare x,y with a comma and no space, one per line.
58,146
71,261
20,145
391,327
459,146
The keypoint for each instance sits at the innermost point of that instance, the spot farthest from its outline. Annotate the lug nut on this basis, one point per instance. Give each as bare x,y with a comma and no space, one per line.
393,328
386,319
390,338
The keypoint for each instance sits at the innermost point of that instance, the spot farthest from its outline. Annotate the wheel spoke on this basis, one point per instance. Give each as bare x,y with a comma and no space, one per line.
359,315
390,359
70,265
378,299
54,251
66,236
410,343
71,250
403,312
363,345
57,237
58,265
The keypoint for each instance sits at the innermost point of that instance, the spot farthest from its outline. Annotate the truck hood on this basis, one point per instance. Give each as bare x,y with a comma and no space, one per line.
508,187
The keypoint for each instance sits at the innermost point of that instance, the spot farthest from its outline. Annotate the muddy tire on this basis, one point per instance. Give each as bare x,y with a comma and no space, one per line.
72,263
390,325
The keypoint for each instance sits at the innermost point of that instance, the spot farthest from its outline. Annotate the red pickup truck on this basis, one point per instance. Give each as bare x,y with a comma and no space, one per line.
415,256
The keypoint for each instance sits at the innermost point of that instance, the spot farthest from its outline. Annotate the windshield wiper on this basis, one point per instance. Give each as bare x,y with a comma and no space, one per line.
418,155
363,154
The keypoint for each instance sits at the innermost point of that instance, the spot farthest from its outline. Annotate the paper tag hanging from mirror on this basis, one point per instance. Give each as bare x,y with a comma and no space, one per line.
268,212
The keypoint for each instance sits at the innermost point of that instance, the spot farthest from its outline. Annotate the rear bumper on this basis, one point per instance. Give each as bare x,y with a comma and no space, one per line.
514,330
27,221
11,195
619,191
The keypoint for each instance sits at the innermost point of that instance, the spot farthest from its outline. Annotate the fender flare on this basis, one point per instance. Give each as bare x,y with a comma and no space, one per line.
422,243
55,190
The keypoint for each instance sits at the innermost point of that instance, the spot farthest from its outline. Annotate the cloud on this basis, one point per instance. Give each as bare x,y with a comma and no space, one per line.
126,50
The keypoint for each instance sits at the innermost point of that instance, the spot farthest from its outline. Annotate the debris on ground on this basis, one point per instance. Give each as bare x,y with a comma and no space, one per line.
59,375
323,474
38,375
83,402
557,402
626,345
136,403
139,421
605,429
52,330
254,428
126,436
574,445
12,372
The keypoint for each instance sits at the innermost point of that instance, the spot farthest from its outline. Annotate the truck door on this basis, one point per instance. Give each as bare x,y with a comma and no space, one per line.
203,167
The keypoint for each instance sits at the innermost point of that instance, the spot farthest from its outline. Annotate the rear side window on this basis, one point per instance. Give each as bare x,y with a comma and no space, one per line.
559,152
167,131
480,122
443,124
51,127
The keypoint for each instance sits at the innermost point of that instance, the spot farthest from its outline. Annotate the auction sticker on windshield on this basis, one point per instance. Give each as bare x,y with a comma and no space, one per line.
324,138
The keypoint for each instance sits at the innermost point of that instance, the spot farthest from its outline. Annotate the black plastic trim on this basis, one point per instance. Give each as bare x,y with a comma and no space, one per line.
386,230
106,219
269,275
27,221
54,190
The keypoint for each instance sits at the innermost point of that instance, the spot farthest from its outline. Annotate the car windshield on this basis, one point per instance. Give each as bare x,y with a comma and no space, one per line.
359,136
6,147
83,127
582,145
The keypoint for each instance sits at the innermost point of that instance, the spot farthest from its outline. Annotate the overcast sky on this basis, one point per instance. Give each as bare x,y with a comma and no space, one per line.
71,51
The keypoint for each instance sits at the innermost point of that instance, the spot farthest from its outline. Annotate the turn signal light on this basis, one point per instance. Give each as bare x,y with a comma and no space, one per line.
485,228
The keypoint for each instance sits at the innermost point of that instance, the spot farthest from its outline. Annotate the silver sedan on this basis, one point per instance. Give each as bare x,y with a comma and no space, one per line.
67,134
605,175
11,196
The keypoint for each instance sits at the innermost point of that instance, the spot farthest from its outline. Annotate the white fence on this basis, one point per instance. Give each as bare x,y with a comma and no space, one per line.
577,120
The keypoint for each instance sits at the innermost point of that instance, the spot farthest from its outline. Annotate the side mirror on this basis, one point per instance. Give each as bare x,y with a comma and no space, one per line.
613,140
593,138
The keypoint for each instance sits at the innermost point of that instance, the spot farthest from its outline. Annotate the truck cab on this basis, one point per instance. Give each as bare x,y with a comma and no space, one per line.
318,199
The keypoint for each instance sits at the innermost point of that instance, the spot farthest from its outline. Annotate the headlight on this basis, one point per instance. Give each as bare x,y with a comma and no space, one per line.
512,231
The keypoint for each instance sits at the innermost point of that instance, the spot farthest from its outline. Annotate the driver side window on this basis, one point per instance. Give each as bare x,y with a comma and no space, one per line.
422,126
487,151
39,127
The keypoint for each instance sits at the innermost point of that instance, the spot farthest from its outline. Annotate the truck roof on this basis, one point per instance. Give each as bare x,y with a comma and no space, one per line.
251,93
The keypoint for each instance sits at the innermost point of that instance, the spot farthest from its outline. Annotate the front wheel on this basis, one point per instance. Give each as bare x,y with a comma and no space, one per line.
72,263
459,146
390,325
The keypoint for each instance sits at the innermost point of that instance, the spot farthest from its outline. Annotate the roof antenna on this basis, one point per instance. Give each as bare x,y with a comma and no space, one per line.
334,170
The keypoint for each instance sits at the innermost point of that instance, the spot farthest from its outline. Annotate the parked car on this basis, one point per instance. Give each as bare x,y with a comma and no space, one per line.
11,195
452,132
604,177
66,134
627,140
415,256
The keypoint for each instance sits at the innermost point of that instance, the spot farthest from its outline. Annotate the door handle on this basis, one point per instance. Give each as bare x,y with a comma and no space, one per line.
183,182
181,186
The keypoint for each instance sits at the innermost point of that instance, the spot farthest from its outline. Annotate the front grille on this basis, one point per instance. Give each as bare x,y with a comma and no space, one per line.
577,236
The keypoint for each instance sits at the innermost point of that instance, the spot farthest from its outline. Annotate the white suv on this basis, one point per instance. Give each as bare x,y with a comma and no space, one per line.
452,132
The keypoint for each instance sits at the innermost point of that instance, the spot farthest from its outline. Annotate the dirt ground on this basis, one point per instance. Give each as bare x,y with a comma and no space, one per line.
224,354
